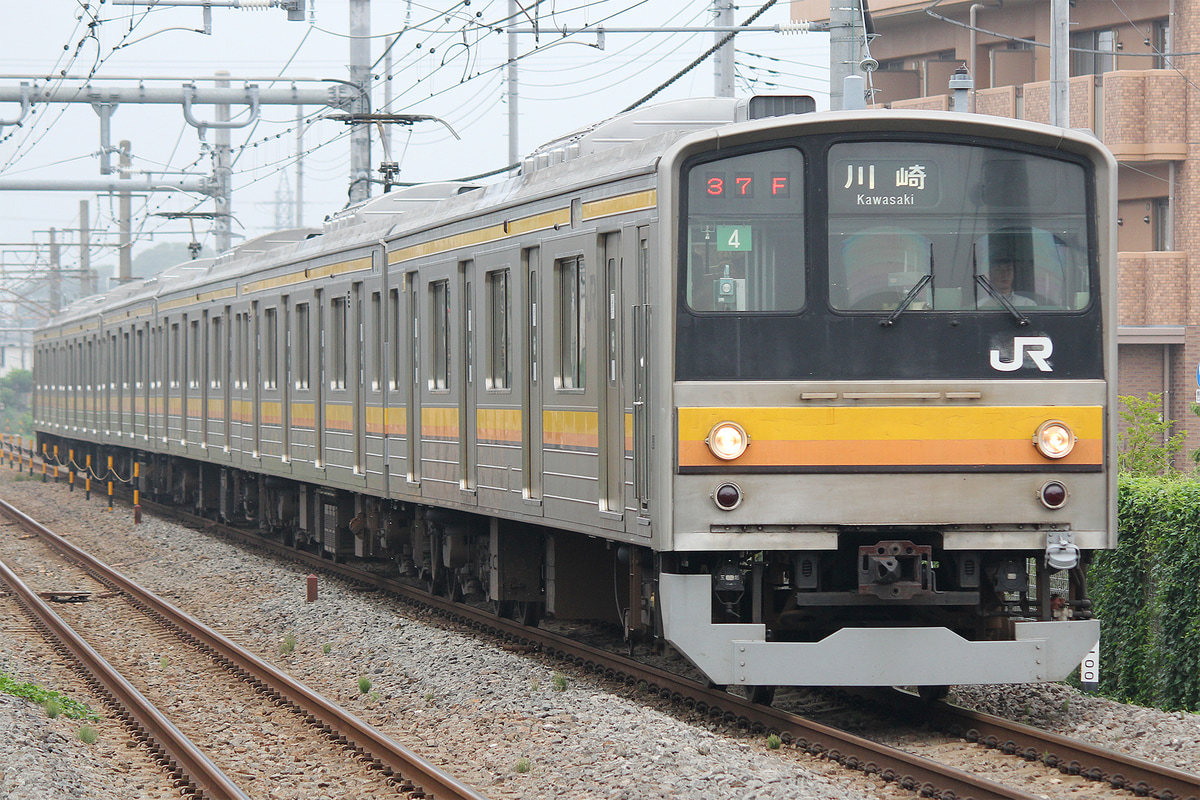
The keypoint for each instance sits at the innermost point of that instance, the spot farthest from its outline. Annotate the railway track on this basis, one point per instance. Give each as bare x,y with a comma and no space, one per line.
243,682
921,775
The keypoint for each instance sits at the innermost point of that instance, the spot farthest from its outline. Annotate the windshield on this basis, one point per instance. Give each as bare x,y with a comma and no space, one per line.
745,233
969,228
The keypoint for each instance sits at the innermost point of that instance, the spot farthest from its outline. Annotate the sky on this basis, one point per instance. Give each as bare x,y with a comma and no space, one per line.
448,61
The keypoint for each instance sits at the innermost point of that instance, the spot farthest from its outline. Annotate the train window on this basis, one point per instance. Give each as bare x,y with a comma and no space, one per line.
176,354
270,349
195,365
572,348
375,336
937,227
439,372
303,354
216,346
394,344
337,342
499,371
745,233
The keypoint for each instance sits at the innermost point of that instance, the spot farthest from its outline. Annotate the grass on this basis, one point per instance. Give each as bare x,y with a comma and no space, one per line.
773,742
53,708
288,645
325,648
30,691
364,685
522,765
88,734
560,682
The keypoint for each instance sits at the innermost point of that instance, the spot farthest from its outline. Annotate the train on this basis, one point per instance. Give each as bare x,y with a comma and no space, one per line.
814,398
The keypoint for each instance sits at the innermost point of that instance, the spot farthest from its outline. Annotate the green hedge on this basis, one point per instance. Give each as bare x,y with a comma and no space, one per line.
1147,595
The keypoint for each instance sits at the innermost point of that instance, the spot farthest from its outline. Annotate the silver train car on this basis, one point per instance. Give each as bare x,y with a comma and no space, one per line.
817,398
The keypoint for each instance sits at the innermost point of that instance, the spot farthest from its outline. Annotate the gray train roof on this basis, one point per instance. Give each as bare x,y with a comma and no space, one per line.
626,144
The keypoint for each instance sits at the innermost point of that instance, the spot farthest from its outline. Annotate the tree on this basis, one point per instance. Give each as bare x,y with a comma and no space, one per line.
1147,448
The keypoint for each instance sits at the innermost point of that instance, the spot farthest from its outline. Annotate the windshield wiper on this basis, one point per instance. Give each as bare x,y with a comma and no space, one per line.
982,280
907,301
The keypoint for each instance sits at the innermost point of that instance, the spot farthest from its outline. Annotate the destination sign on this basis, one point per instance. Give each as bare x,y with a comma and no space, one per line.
885,183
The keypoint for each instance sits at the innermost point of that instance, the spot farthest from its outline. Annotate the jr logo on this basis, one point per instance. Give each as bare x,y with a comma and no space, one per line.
1038,348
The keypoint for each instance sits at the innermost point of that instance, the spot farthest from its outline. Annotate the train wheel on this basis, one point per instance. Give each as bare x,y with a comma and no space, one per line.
761,695
931,694
501,608
527,612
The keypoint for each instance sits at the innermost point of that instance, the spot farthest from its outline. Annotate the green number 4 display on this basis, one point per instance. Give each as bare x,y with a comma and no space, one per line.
733,238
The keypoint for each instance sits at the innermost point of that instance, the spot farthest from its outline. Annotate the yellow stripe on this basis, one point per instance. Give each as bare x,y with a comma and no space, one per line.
619,205
201,297
498,425
439,422
308,274
891,435
339,417
571,428
536,222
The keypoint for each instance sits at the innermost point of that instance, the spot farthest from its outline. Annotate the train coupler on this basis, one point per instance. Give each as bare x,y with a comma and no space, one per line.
895,569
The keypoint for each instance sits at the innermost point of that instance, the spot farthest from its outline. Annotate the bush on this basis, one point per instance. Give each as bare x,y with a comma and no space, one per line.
1147,595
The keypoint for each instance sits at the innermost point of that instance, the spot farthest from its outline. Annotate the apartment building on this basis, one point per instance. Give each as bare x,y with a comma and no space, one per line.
1134,72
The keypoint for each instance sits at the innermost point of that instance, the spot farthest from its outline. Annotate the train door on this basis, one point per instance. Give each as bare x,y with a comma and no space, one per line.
285,383
612,406
467,401
319,392
254,364
531,431
641,379
413,401
357,390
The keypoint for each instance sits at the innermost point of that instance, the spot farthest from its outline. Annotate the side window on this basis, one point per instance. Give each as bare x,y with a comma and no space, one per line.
176,354
337,343
303,355
270,349
499,370
396,355
375,341
439,371
572,345
216,346
195,365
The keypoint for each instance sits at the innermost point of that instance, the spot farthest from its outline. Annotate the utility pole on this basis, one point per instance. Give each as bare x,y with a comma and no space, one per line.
724,61
846,38
360,76
124,211
56,288
223,172
512,95
85,255
299,216
1060,52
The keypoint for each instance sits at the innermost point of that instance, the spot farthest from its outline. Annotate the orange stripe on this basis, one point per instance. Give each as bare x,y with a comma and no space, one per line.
912,452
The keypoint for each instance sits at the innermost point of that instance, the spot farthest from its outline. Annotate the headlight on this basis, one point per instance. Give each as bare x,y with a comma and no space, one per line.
727,440
1054,439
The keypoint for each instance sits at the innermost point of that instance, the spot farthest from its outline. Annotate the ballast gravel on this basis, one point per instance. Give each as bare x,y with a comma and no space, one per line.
511,725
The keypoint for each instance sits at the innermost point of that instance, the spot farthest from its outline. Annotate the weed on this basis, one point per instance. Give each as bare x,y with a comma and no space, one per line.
288,645
560,682
773,742
30,691
325,648
53,708
364,685
1066,704
162,662
522,765
429,697
88,734
534,684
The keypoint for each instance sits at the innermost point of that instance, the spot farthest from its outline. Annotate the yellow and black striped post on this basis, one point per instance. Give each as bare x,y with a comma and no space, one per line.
110,483
137,500
71,468
87,482
56,463
44,460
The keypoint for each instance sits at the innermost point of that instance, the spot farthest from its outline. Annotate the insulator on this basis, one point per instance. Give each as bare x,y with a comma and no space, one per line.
800,26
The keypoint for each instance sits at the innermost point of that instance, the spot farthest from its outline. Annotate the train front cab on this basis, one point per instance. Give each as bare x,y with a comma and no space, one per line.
888,469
